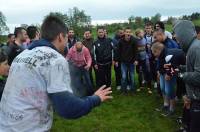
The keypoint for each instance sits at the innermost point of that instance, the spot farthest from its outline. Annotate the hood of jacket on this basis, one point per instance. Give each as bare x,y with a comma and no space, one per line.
41,42
185,33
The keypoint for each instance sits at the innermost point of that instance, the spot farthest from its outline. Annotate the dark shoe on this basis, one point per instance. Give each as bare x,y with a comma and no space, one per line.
168,114
179,120
162,109
182,129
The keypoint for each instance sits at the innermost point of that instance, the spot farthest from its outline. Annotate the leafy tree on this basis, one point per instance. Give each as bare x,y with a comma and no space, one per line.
156,18
131,19
3,27
75,19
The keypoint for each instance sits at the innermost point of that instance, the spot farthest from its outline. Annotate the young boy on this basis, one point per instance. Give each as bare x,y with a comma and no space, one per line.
170,59
144,67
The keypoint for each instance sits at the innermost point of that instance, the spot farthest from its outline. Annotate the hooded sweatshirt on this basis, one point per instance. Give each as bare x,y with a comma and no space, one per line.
186,35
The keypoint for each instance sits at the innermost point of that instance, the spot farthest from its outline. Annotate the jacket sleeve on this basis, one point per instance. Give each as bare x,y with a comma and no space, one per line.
135,50
69,54
71,107
118,52
193,78
94,58
88,57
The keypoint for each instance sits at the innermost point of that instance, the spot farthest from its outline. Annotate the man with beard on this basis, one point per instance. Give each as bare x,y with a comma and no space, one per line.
102,58
16,48
88,43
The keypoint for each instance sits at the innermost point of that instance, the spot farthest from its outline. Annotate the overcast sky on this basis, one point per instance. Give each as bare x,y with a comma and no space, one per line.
33,11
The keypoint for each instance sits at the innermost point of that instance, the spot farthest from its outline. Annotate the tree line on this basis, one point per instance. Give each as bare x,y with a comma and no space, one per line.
78,20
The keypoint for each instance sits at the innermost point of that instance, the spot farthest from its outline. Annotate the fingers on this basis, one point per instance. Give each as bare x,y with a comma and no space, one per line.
102,87
107,92
108,97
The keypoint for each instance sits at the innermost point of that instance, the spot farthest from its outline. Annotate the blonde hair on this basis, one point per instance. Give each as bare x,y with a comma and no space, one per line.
157,46
138,31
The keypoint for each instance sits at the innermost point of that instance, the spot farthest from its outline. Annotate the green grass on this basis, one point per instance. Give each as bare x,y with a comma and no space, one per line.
122,114
197,22
131,113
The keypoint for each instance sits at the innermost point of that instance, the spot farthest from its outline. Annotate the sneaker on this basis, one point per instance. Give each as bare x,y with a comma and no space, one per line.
155,85
182,129
143,82
138,90
150,92
168,113
179,120
128,88
118,88
163,109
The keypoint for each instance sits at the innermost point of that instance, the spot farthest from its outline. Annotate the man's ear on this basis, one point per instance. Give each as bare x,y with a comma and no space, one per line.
60,37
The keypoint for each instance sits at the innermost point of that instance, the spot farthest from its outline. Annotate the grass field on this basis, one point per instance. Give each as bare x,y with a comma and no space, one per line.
131,113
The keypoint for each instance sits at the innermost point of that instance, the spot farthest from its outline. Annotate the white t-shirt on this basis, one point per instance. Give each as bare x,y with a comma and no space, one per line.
25,105
168,34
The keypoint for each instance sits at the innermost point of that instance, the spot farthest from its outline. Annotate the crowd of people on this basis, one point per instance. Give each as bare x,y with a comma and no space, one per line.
56,68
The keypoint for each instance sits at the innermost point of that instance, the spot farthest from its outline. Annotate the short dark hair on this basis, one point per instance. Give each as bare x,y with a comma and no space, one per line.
197,28
87,29
52,26
149,23
160,31
18,30
161,24
127,28
100,27
31,31
71,29
10,35
3,55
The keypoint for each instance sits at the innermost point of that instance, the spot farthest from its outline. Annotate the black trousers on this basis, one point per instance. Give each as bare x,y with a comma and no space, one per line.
186,118
91,76
103,75
195,116
118,74
181,90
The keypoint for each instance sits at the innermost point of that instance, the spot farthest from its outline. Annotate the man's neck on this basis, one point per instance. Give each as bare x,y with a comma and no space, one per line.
88,39
18,42
71,38
127,39
148,35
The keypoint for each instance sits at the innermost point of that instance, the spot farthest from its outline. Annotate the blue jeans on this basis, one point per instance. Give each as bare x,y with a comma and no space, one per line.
144,73
168,88
130,68
80,81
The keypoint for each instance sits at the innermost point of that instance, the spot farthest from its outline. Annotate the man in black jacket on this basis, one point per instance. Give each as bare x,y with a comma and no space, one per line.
102,58
127,52
15,49
88,43
71,38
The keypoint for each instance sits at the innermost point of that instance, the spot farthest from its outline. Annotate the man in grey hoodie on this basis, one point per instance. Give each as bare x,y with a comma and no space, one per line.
187,37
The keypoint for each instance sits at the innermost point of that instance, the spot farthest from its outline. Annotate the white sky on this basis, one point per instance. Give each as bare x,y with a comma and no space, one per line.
102,11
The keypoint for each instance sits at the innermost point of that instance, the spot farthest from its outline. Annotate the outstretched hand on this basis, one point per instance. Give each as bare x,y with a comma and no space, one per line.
104,93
